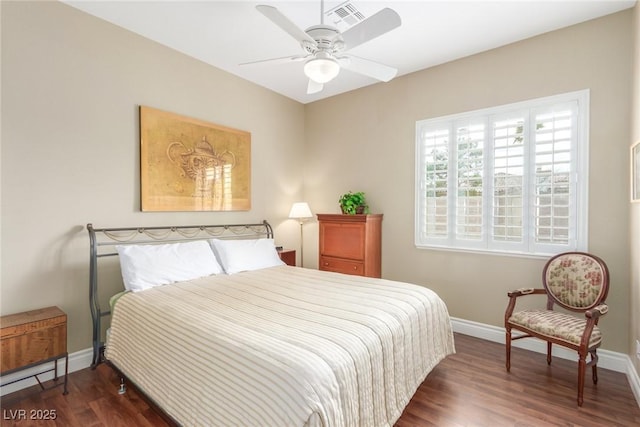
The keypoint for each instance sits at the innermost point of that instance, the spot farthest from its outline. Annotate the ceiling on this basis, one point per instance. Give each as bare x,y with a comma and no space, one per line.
228,33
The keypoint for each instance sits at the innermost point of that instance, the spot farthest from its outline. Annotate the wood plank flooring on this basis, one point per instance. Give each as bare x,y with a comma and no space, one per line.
470,388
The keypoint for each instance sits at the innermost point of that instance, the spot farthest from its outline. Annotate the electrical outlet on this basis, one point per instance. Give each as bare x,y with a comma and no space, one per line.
638,349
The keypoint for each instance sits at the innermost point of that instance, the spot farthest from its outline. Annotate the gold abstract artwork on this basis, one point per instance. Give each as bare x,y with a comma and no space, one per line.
191,165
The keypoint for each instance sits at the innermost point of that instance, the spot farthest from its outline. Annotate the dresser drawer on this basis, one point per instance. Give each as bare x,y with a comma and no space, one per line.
341,266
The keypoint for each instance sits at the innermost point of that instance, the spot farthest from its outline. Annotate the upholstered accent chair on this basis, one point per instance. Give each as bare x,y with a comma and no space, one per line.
577,282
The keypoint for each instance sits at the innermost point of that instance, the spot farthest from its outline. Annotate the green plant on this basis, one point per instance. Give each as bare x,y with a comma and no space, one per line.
353,203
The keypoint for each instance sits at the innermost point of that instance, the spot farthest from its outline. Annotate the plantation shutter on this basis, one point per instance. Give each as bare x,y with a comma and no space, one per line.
509,179
469,212
554,186
434,182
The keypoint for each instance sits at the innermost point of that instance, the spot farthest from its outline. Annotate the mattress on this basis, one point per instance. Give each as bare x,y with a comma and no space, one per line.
280,346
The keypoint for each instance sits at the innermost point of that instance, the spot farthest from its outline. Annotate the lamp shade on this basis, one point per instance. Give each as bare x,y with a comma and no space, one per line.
321,69
300,210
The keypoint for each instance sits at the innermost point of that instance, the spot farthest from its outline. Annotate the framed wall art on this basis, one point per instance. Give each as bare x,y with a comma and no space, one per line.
188,164
635,172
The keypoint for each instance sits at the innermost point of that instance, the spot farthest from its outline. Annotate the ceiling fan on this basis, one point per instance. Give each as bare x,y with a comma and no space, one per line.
325,47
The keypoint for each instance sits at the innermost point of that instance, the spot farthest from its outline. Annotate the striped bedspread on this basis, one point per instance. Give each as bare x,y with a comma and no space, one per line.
281,346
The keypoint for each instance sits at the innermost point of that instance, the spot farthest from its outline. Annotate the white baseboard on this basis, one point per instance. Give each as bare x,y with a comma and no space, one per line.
607,359
612,360
78,360
634,380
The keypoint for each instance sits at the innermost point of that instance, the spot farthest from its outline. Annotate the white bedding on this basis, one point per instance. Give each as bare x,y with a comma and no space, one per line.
281,346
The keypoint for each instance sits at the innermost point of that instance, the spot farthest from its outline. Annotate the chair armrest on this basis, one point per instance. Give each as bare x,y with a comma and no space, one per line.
596,312
525,291
518,293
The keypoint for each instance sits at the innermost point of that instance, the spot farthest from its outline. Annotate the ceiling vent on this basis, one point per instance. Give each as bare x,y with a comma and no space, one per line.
345,15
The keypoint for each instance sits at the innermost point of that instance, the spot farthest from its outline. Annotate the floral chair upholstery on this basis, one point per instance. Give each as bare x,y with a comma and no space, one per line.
578,282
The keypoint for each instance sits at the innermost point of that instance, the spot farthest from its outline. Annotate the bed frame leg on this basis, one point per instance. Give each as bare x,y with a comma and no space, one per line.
123,387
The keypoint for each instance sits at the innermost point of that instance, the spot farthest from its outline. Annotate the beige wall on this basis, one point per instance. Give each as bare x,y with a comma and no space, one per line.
634,333
364,141
71,86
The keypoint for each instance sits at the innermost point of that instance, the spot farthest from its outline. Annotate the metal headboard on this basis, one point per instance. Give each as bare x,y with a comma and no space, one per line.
104,240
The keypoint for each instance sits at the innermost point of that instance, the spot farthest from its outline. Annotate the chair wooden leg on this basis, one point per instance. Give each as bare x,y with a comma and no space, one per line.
548,352
508,347
594,367
582,365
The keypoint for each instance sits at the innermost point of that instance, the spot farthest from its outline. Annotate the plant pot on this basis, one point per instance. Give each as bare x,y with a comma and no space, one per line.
359,210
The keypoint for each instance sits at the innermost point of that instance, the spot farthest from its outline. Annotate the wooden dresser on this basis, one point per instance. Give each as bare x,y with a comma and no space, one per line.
351,244
32,338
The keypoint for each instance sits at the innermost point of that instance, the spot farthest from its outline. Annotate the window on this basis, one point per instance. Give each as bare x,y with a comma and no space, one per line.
509,179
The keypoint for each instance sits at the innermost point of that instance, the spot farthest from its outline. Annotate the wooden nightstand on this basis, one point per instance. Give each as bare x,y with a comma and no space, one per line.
288,256
33,338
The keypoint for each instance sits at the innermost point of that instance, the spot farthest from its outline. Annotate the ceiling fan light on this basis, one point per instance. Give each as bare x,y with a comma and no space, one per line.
321,70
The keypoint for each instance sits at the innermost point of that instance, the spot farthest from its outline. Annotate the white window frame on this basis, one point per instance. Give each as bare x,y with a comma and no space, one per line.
578,180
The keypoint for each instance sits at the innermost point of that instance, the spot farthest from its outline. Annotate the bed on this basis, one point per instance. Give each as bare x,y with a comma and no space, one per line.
270,345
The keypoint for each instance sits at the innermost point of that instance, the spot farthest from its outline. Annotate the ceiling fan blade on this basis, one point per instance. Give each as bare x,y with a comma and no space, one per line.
368,68
372,27
314,87
280,60
283,22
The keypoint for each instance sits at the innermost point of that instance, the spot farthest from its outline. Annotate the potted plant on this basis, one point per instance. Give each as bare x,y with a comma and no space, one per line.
353,203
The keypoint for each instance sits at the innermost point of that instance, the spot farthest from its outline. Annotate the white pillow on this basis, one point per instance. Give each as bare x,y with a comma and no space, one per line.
146,266
245,254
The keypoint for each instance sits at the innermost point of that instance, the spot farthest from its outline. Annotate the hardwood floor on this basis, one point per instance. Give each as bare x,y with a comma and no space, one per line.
473,388
470,388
